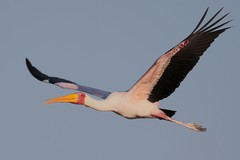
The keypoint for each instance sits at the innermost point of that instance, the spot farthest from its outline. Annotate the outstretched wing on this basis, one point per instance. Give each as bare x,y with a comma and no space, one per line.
170,69
63,83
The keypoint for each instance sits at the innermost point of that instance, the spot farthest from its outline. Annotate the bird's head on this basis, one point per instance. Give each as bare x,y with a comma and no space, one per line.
75,98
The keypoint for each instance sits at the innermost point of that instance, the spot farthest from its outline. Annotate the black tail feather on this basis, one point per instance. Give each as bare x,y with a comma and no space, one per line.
169,113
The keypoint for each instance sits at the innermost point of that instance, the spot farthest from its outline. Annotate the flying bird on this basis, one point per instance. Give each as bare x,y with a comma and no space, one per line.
160,80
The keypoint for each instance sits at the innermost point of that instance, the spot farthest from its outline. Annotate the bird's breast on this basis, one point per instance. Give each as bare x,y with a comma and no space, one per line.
131,108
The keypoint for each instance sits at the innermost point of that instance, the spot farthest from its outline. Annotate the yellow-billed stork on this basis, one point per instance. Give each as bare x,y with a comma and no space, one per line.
162,78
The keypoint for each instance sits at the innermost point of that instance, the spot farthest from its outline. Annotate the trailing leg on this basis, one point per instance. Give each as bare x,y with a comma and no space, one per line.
192,126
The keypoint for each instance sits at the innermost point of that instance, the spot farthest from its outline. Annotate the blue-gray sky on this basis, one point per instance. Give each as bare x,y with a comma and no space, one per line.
109,44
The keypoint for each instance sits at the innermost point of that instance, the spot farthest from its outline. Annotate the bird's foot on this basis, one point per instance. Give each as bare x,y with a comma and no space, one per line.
195,127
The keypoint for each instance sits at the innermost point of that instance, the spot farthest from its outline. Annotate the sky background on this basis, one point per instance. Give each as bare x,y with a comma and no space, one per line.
109,44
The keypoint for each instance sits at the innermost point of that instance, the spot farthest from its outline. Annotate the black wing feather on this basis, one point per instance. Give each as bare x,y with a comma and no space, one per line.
63,83
184,61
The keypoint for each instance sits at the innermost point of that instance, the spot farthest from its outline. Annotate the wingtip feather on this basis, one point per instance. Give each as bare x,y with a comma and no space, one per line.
35,72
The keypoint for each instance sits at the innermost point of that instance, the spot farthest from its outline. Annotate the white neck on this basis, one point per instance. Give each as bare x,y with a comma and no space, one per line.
100,105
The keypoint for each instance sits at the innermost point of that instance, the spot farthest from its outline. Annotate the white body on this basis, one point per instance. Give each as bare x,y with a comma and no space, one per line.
122,104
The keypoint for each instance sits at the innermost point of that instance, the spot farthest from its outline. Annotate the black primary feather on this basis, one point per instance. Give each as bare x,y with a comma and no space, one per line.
43,77
184,61
63,83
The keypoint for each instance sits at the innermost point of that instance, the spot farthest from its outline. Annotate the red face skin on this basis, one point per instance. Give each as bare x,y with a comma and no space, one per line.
81,99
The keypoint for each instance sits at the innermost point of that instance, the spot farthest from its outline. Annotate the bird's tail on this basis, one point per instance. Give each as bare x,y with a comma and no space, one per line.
169,113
